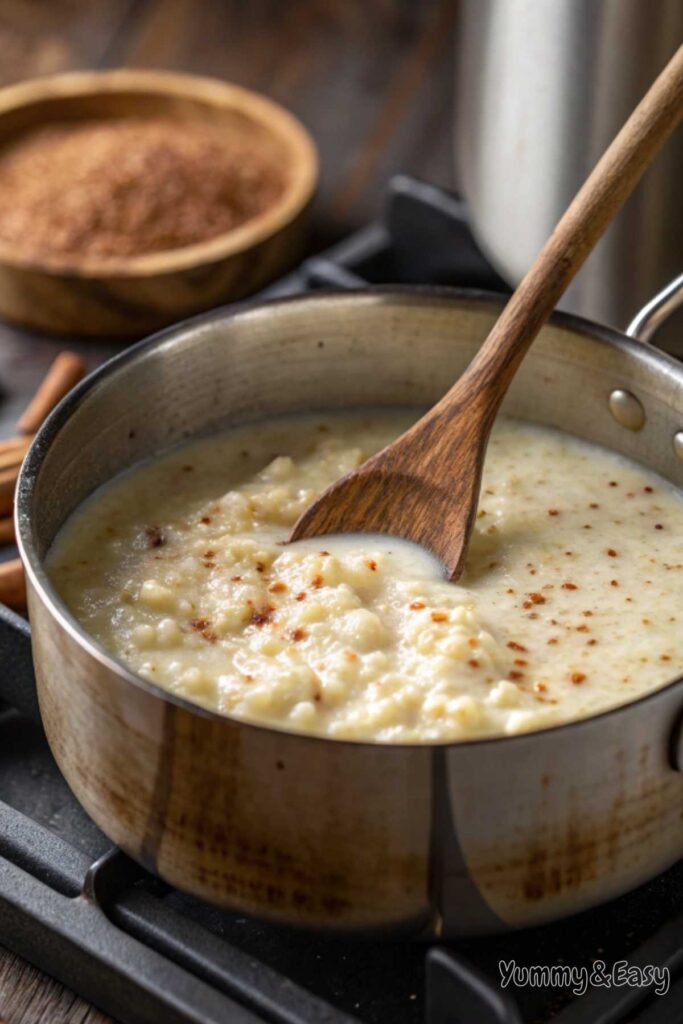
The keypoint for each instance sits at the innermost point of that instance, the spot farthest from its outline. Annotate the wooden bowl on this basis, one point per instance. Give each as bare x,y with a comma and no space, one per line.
134,295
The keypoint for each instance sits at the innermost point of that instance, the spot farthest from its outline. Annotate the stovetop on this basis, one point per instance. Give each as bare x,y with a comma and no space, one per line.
81,910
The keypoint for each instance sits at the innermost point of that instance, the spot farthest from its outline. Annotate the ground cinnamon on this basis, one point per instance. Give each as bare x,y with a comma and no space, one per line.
130,186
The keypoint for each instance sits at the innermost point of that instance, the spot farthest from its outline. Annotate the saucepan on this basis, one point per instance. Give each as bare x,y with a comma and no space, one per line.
438,839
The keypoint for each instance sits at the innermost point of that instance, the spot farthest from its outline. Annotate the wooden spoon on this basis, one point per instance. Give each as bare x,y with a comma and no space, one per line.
424,486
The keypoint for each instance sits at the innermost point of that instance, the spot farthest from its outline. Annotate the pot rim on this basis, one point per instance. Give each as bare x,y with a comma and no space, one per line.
39,580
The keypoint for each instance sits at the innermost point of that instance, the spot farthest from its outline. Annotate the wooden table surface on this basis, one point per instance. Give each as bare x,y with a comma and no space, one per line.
371,79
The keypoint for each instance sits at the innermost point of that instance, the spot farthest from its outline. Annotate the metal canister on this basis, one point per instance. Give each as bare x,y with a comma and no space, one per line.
543,86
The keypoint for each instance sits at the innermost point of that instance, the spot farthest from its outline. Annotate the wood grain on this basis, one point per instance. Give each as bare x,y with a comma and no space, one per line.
409,77
27,996
424,486
373,82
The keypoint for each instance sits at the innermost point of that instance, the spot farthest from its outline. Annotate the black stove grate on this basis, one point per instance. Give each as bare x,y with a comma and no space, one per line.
81,910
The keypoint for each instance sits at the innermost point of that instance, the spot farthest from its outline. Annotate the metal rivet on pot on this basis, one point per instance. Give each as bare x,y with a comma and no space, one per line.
627,409
678,444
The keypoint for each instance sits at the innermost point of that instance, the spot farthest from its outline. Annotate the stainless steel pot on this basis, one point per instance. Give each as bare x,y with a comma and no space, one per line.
442,839
542,89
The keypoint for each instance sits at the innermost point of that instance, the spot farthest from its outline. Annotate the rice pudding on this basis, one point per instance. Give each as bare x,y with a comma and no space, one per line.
569,603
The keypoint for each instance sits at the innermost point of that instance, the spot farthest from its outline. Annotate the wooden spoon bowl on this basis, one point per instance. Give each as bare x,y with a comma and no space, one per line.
134,295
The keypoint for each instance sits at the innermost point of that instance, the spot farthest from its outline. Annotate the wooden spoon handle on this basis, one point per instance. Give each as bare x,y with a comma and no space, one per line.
594,207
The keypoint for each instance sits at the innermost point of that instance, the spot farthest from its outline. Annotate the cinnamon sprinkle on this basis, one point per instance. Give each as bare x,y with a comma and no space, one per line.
203,627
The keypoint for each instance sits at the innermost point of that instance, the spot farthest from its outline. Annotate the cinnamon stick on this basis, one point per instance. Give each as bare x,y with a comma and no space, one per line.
12,452
8,483
13,584
66,370
13,444
7,530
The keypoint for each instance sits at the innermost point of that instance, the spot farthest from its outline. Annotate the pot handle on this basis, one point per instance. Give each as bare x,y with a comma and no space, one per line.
656,311
17,678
